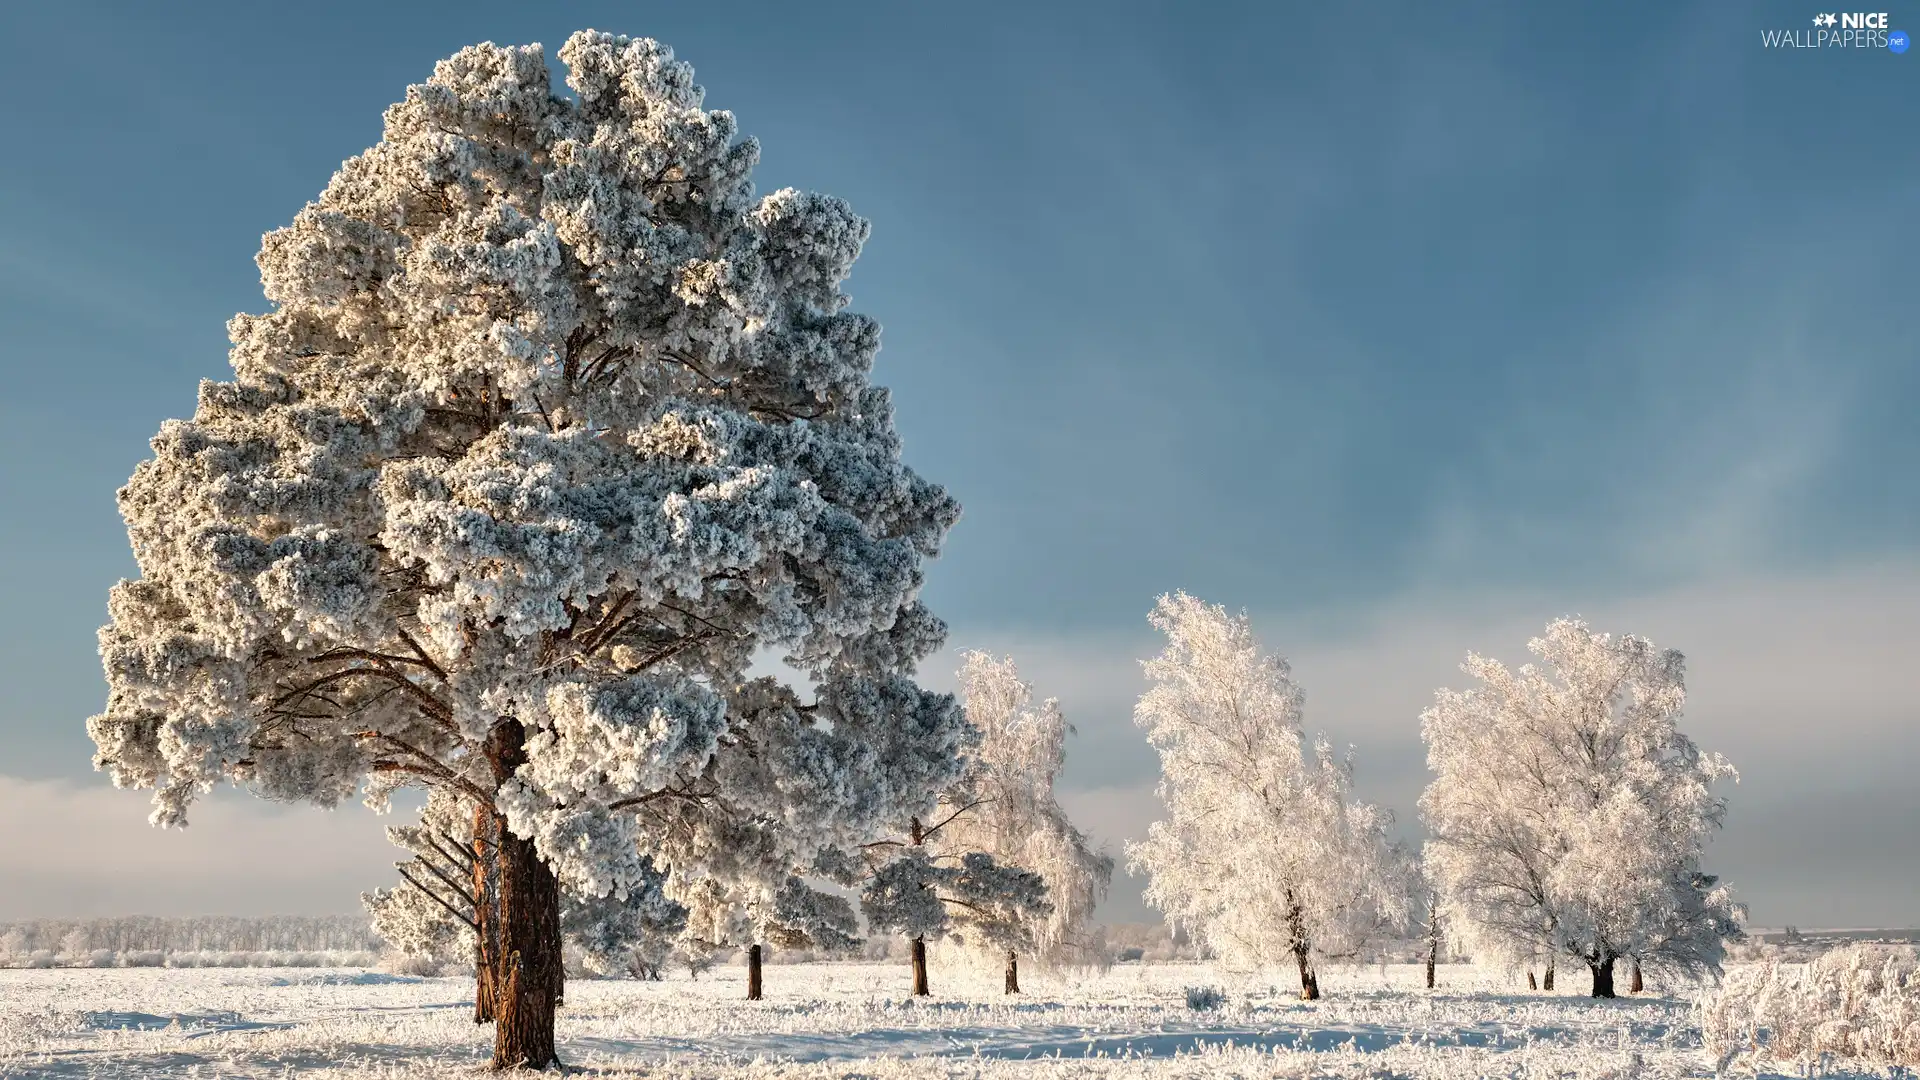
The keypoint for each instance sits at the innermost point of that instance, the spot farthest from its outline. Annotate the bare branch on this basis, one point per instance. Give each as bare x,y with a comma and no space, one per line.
438,899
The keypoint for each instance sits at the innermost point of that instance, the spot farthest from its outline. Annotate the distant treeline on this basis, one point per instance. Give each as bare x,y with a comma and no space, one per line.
200,933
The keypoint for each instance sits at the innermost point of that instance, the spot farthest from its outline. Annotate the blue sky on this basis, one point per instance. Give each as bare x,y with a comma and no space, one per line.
1406,328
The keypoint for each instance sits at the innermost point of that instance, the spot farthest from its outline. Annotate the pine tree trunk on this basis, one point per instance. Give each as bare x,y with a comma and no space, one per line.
1532,984
1639,986
482,982
556,940
920,968
484,916
1013,972
753,972
527,972
1547,982
1602,976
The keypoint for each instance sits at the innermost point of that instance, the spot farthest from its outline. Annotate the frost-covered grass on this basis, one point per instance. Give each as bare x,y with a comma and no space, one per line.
833,1020
1857,1003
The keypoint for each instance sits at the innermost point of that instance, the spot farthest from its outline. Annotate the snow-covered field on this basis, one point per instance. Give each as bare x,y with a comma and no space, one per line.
840,1020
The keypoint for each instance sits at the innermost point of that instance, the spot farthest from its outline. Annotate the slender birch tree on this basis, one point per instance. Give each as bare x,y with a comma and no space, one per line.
1009,810
1263,854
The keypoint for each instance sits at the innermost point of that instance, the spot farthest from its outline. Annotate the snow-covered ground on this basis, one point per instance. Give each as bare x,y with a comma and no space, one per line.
841,1020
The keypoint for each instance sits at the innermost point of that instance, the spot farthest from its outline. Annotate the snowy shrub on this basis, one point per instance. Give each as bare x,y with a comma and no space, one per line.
400,963
1205,998
1130,955
143,958
1859,1004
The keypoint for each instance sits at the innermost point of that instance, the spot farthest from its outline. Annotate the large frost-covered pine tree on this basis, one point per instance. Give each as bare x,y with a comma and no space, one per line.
551,425
1263,854
1569,814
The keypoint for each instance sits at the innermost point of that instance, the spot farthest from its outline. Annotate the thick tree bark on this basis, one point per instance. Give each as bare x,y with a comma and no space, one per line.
1547,982
1602,976
484,916
1639,986
557,941
920,968
1013,972
915,833
527,972
753,972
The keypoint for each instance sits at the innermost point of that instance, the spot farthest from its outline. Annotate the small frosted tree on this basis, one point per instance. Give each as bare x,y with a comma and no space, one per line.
1569,814
1263,855
756,899
1006,808
926,896
1426,911
553,425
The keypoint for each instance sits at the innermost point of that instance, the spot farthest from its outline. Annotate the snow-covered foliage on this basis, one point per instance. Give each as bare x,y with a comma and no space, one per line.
1263,853
1569,814
1005,806
803,917
624,933
757,898
551,419
1857,1005
971,897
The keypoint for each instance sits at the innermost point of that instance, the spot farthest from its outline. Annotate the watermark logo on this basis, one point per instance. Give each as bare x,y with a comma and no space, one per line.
1840,30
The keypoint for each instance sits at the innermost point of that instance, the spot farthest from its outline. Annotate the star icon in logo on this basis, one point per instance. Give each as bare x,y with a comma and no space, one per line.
1824,20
